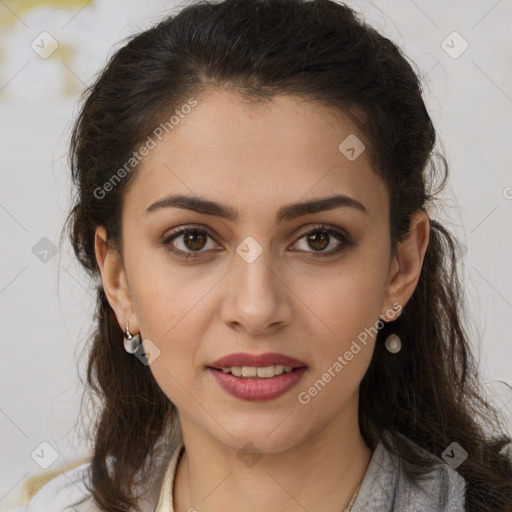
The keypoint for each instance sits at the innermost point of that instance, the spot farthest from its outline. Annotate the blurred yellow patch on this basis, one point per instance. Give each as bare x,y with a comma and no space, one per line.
32,484
10,9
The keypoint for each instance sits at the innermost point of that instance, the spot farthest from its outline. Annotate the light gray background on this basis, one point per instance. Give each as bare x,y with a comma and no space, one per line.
45,323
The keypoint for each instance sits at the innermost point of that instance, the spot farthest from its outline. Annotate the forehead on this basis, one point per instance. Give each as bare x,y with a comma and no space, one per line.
266,154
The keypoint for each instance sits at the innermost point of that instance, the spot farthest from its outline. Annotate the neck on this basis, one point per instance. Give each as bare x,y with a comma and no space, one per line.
211,476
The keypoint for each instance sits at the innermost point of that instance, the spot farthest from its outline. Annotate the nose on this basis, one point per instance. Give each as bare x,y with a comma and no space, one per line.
257,299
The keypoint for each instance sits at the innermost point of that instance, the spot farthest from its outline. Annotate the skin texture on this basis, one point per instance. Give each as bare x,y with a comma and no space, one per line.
291,300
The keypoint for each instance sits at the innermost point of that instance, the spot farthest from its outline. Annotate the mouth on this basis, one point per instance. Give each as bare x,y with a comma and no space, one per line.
257,377
259,383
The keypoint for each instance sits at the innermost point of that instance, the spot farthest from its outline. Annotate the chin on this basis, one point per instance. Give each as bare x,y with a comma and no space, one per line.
259,440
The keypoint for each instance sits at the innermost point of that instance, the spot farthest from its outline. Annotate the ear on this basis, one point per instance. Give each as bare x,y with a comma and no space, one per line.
405,268
115,282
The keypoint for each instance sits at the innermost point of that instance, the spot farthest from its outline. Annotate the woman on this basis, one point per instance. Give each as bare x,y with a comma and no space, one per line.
253,186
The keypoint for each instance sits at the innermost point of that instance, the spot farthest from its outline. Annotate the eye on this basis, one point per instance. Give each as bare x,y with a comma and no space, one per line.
321,238
190,239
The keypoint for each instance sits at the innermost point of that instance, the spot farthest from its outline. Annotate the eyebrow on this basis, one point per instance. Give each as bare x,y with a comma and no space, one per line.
286,213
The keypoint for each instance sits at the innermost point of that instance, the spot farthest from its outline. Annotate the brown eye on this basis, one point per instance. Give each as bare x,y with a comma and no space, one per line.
194,240
188,242
318,240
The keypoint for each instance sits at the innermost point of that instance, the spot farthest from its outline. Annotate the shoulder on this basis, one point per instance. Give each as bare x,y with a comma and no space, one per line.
56,491
387,485
442,488
68,488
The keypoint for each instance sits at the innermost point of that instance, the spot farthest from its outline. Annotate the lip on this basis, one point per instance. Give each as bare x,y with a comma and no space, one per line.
257,390
261,360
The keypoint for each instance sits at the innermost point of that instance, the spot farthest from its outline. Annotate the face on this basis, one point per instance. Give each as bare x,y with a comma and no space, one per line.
306,284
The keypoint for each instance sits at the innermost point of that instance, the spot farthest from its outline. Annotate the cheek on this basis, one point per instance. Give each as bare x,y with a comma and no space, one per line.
343,320
172,316
168,297
345,301
343,335
170,319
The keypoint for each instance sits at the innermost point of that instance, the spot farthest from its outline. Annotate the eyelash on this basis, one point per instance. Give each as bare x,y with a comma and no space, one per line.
345,241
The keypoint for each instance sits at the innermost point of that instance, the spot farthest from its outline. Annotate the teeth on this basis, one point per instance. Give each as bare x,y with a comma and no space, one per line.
265,372
237,372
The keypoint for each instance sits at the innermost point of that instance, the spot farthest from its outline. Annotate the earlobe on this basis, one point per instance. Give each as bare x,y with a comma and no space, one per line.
409,261
114,280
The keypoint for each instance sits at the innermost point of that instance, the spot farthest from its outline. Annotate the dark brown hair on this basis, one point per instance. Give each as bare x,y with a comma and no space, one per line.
321,51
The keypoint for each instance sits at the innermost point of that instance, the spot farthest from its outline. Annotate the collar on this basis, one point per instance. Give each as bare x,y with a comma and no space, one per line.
165,501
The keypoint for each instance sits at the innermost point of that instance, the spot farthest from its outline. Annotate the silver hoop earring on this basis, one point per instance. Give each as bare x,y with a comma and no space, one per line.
393,343
131,343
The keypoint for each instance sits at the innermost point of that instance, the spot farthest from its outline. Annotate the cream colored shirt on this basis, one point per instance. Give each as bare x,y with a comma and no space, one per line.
165,501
